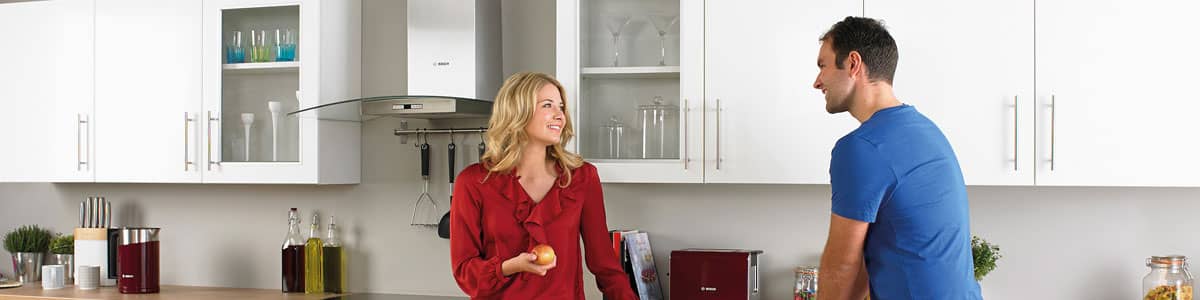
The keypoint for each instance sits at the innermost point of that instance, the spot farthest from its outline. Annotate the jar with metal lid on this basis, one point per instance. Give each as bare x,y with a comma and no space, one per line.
1168,279
806,283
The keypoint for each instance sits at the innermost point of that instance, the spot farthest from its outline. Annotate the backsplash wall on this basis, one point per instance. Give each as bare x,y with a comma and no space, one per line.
1058,243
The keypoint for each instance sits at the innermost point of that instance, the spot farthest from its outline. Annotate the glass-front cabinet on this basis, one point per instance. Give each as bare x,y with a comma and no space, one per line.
264,59
633,71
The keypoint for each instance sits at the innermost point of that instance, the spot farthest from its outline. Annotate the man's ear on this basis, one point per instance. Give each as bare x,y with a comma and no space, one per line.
854,64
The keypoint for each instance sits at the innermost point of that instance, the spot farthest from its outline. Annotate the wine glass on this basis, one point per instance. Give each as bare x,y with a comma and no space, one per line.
663,24
615,24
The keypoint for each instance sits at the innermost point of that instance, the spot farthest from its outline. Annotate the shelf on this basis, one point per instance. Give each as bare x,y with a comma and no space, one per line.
262,67
630,72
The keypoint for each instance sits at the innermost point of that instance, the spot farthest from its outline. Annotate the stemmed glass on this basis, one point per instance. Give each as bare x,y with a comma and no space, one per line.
615,24
663,23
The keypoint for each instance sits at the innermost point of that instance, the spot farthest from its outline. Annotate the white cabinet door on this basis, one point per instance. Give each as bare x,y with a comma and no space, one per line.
1119,76
967,78
764,123
302,149
594,97
46,86
147,90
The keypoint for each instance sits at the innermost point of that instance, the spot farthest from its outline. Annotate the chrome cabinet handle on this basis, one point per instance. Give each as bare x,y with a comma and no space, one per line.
1053,118
187,132
719,134
1016,133
211,162
80,152
686,159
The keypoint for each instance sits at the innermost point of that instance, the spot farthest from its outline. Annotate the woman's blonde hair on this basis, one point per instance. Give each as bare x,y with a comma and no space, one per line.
514,107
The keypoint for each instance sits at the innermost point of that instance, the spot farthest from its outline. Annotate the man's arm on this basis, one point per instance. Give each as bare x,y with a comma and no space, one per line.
843,276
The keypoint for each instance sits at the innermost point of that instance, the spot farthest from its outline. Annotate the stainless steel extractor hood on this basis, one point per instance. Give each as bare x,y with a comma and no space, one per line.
453,63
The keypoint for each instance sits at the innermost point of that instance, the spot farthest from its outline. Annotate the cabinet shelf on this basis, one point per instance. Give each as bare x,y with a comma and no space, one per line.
630,72
262,67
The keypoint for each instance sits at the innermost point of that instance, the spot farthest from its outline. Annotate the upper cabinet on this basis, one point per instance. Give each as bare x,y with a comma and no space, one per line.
764,122
190,91
148,102
261,59
46,85
1105,117
986,106
634,75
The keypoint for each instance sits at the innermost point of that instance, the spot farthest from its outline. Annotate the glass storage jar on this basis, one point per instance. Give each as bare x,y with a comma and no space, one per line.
1168,279
806,283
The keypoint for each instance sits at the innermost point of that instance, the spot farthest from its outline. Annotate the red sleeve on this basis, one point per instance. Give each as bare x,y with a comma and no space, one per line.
476,276
601,260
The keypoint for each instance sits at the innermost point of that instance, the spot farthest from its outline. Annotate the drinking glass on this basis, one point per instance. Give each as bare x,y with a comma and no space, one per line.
235,51
663,24
615,25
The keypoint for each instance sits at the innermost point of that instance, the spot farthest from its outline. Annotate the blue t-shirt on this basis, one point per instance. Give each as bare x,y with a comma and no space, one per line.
898,172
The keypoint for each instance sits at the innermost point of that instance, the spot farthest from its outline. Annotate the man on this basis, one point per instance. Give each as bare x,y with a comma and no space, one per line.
900,218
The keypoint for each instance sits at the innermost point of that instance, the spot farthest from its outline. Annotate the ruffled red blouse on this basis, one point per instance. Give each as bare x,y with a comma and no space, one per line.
494,220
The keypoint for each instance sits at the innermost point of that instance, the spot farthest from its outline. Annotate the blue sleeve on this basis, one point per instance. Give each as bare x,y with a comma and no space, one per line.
861,177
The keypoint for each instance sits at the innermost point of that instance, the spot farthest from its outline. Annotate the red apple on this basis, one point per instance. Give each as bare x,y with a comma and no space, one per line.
545,254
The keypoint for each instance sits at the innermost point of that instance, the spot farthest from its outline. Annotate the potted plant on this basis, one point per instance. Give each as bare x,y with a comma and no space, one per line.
27,245
985,254
62,250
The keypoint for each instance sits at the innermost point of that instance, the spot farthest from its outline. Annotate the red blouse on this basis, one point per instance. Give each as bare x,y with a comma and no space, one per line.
494,220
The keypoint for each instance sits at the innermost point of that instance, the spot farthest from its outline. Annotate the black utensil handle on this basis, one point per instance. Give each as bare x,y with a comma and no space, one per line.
482,149
450,152
425,160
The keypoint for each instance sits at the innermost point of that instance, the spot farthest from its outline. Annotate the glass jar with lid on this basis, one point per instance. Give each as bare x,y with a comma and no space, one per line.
806,283
660,129
1168,279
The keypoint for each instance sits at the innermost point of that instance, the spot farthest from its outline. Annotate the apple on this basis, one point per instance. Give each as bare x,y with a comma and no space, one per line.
545,254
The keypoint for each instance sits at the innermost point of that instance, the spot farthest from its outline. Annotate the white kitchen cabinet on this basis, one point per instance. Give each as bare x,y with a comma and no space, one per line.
1114,104
658,69
148,90
46,86
764,123
316,147
985,107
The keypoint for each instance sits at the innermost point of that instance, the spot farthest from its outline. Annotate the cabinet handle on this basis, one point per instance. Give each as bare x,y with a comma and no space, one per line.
718,134
187,132
80,121
1016,133
211,162
686,159
1053,118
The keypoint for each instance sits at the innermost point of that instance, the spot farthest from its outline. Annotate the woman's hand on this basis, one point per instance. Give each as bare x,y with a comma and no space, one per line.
524,263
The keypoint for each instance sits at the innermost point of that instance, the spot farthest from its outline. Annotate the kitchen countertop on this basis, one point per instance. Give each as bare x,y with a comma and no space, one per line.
35,291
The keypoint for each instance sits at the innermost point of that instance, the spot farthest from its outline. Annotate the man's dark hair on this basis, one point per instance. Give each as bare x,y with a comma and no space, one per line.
871,40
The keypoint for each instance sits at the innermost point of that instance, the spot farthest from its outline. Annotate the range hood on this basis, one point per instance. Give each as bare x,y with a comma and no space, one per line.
453,63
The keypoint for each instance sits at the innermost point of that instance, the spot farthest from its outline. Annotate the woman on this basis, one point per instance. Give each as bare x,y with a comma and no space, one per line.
528,190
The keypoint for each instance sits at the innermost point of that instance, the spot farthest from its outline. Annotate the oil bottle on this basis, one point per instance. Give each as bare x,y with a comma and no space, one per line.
314,281
335,261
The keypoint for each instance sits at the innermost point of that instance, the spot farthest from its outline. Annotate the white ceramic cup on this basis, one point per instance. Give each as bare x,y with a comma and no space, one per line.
87,277
53,277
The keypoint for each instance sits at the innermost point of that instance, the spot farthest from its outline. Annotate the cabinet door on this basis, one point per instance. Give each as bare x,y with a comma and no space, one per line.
975,82
46,85
147,90
764,123
1113,85
638,119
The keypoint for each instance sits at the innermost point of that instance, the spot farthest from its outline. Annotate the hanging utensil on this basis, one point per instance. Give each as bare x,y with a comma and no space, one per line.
482,147
444,224
424,197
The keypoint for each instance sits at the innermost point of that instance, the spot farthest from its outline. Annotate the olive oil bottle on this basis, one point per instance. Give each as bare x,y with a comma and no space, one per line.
335,261
314,273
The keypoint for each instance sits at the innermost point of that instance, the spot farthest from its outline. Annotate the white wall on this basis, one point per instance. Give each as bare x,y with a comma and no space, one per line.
1059,243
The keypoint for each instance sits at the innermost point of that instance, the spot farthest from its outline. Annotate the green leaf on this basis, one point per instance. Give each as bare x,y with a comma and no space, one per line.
985,255
28,238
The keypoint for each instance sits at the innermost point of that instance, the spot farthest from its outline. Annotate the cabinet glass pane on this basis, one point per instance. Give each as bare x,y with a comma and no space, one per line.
259,81
629,85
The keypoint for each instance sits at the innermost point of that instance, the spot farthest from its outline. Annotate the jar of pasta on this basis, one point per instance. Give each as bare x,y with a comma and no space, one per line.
1169,279
806,283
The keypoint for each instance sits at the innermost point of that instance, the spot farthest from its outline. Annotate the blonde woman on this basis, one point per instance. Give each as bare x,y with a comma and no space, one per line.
528,190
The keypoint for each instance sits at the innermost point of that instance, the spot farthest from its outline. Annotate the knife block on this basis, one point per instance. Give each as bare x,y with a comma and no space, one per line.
94,247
